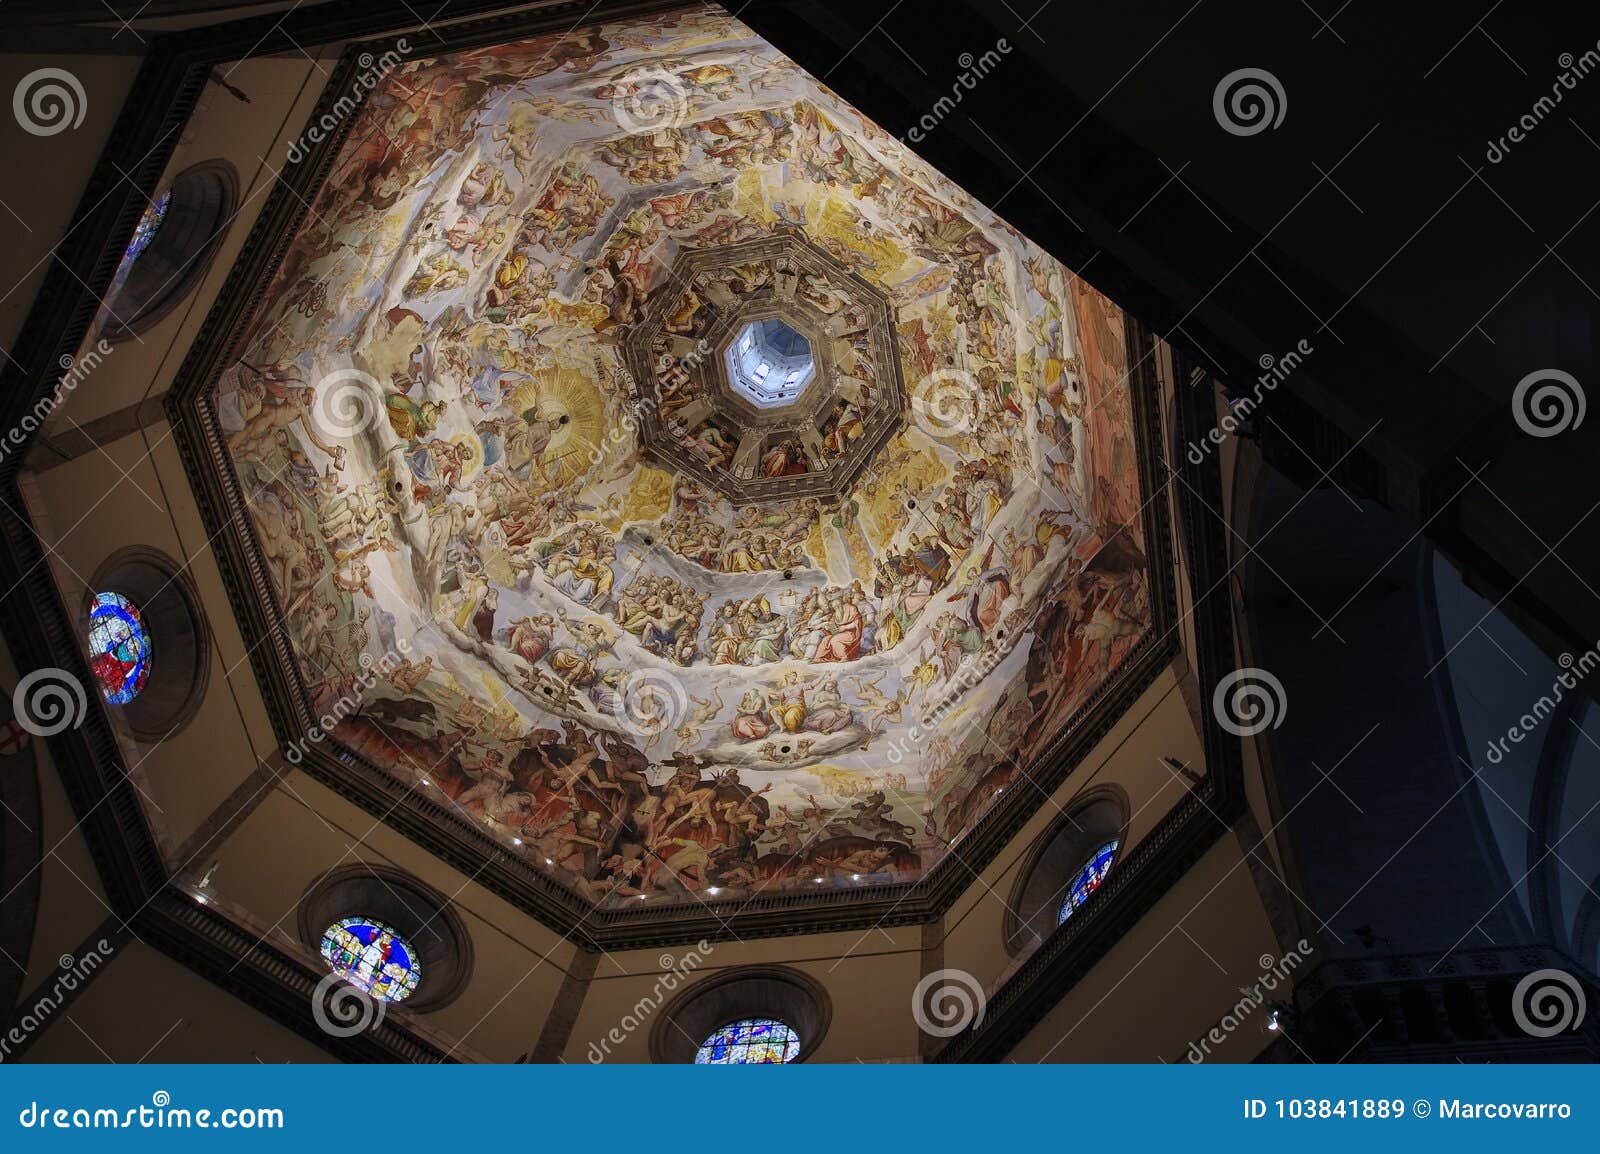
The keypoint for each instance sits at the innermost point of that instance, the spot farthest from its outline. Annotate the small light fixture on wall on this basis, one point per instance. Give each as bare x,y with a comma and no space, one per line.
201,887
1279,1015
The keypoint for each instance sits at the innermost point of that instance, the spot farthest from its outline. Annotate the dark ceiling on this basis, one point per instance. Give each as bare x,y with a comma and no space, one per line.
1371,222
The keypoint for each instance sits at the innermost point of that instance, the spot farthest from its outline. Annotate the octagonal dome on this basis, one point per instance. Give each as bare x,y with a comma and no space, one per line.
547,556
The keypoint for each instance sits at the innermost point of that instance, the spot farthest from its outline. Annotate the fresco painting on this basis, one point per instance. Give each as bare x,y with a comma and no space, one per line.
644,687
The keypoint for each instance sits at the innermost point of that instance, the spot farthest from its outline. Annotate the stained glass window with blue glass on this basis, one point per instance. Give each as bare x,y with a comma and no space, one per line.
749,1041
145,231
119,647
1088,880
372,956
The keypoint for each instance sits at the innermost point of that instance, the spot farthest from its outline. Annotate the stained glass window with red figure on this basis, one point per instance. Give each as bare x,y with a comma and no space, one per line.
1088,880
119,647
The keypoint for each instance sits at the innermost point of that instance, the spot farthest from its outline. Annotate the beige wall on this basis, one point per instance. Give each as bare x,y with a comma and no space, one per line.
1171,978
253,139
144,1007
867,974
39,209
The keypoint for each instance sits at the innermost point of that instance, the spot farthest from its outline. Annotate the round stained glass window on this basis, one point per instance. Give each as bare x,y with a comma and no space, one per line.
372,956
119,647
1088,880
145,231
749,1041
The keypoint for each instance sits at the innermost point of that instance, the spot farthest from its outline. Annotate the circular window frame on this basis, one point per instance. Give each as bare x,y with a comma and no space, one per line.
165,595
1090,820
427,920
781,993
180,253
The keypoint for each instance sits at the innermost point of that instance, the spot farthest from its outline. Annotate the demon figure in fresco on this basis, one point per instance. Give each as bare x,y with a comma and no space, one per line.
597,646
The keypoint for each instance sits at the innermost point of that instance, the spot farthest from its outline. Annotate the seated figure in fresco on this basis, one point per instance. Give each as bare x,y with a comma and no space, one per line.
842,639
784,458
575,662
826,711
958,641
789,710
752,722
664,614
764,631
586,575
531,637
726,634
810,625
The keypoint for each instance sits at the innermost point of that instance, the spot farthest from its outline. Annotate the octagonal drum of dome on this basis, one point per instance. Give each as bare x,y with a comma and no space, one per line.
606,609
766,369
